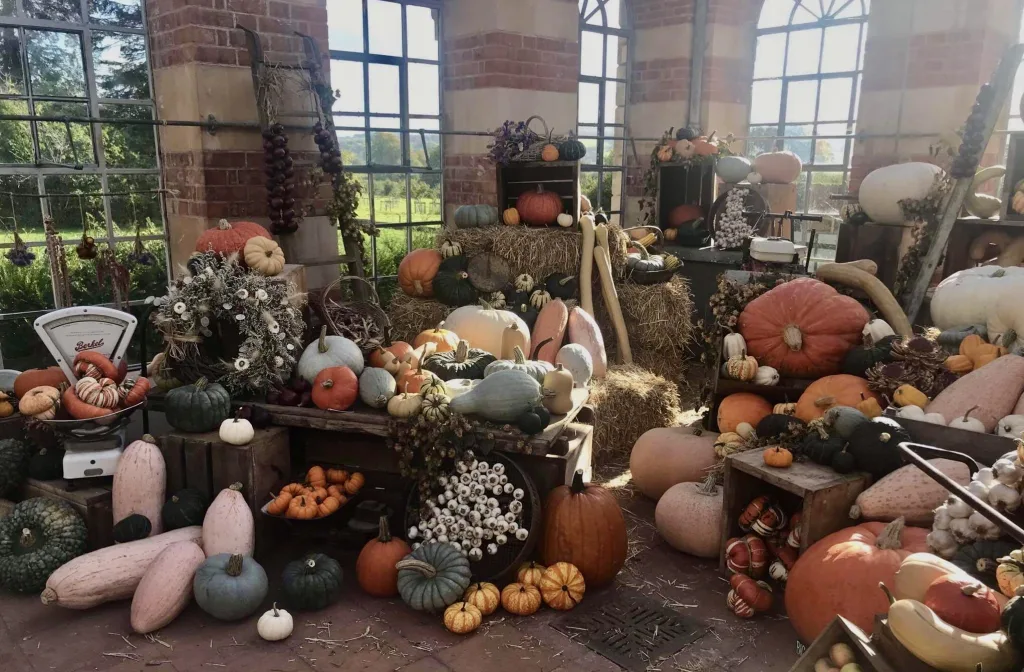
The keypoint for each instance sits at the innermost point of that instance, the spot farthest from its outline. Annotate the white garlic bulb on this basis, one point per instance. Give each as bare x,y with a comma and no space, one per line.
501,540
511,515
515,506
442,538
492,549
508,488
518,493
496,490
499,468
476,554
482,466
413,532
522,533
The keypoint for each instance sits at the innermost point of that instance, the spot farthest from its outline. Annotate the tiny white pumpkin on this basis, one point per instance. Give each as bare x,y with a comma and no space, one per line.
968,423
275,625
236,431
577,360
876,330
1011,426
540,298
766,375
734,345
754,178
524,283
450,248
564,220
745,430
912,412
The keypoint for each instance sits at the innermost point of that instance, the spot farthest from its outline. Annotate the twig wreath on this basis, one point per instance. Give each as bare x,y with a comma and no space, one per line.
233,326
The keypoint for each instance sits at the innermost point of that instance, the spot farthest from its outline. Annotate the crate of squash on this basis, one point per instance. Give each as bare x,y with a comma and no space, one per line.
322,493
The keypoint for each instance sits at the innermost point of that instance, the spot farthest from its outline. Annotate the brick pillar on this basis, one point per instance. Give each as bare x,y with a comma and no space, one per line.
201,68
503,61
923,64
729,66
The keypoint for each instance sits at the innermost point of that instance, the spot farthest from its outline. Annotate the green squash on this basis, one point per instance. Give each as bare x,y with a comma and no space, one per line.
821,450
500,397
562,286
230,587
312,583
14,458
46,464
199,407
981,559
433,577
775,425
451,284
843,420
462,362
571,149
472,216
36,538
184,508
858,360
874,446
1012,620
132,528
530,423
543,413
535,368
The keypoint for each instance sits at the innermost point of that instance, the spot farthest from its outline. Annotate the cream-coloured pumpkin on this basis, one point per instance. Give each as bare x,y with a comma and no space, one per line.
564,220
263,255
236,431
689,518
766,375
665,456
483,327
882,189
577,361
275,624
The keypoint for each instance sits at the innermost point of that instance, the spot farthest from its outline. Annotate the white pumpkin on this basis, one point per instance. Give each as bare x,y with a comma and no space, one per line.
968,423
236,431
986,295
883,188
275,625
564,220
766,375
483,327
734,345
1011,426
329,351
577,361
876,330
376,387
912,412
733,168
459,386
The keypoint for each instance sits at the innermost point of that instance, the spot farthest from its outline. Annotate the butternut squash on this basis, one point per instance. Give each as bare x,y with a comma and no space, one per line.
166,587
994,390
587,264
885,302
511,338
228,526
611,302
551,324
908,492
140,483
111,573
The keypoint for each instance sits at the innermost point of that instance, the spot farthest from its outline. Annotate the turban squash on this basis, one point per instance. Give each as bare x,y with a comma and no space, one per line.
803,328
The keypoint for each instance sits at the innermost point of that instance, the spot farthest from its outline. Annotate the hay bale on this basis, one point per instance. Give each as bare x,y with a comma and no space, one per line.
659,318
409,316
627,402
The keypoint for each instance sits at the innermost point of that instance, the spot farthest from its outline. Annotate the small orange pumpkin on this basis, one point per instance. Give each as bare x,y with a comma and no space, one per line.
316,477
336,476
355,483
838,390
303,508
279,505
335,388
549,153
959,364
446,341
511,217
294,489
327,506
227,238
417,271
390,357
777,456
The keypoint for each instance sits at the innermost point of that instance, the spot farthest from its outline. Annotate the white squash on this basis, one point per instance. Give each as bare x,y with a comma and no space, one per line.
1011,426
577,361
733,169
971,296
876,330
111,573
912,412
766,375
166,587
376,387
483,328
275,625
228,526
966,422
564,220
734,345
883,188
984,205
140,483
329,351
459,386
236,431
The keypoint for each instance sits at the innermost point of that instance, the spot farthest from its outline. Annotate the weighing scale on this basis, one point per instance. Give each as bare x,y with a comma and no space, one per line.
92,447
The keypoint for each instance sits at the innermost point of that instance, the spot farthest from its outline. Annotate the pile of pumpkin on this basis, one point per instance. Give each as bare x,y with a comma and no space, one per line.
322,494
251,242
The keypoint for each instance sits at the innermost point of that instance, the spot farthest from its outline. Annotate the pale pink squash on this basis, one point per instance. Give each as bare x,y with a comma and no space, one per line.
665,456
229,526
551,323
991,391
584,331
140,483
166,587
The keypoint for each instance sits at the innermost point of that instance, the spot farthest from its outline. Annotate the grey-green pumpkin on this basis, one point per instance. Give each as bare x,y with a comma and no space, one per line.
14,458
535,368
312,583
471,216
462,362
452,285
844,419
433,577
500,397
376,387
199,407
230,587
36,538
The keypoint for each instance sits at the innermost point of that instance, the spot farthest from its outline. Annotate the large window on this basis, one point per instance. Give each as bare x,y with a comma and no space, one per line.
604,50
385,66
75,59
807,76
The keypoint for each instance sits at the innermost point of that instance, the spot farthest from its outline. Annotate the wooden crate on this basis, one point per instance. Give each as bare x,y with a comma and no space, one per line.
885,642
841,630
93,503
822,495
561,177
684,185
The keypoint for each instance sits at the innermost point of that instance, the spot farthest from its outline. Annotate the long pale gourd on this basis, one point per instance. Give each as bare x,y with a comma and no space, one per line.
908,492
989,393
111,573
587,263
611,301
851,276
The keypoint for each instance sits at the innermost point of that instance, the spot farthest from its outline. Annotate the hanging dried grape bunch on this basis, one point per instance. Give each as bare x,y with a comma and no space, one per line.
20,255
330,155
280,174
139,254
87,248
973,144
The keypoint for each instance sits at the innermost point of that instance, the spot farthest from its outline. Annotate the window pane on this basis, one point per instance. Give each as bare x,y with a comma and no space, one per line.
55,145
386,148
54,10
139,209
7,7
775,13
754,146
611,102
615,47
830,150
800,101
86,288
347,82
385,19
765,101
426,201
68,211
15,136
119,63
125,13
128,145
384,89
424,237
588,103
590,143
423,89
590,188
422,32
771,52
27,210
591,53
12,76
432,140
612,147
853,10
804,12
345,25
801,193
839,53
804,50
353,148
389,201
801,148
55,64
149,275
823,185
835,99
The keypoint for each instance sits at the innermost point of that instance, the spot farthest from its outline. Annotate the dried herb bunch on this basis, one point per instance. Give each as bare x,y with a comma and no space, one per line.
510,140
926,213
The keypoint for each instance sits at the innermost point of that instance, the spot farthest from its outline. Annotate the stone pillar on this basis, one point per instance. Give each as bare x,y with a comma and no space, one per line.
503,60
729,66
201,67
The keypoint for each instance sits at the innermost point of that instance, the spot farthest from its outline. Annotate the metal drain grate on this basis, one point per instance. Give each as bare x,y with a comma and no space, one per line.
631,631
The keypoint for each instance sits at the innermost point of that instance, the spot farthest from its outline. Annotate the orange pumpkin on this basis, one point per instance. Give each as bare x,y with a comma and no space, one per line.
327,506
355,483
413,380
227,238
682,214
802,328
417,270
279,505
336,476
742,407
49,377
303,508
317,477
840,575
335,388
375,566
838,390
134,391
540,207
704,147
444,340
398,350
91,364
294,489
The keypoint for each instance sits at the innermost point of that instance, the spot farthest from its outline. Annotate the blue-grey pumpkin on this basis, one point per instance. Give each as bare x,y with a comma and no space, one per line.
230,587
313,582
199,407
733,169
433,577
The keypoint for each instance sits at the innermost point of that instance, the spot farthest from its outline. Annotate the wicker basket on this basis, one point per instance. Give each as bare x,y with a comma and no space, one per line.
327,309
533,152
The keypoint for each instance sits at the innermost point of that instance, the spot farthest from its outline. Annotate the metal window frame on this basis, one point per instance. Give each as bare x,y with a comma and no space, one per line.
405,119
603,127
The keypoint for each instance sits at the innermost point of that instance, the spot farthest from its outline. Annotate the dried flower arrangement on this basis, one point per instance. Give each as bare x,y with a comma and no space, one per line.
926,213
511,139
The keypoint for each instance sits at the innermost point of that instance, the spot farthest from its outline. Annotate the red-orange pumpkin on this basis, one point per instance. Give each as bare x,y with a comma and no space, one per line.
134,391
417,271
963,602
227,238
838,390
375,566
742,407
802,328
840,575
540,207
399,349
49,377
682,214
335,388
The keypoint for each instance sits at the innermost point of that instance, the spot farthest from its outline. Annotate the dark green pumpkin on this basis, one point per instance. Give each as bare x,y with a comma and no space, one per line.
433,577
874,446
312,583
452,285
462,362
36,538
132,528
572,149
14,458
981,559
1012,620
844,462
821,450
520,305
46,464
543,414
562,286
199,407
184,508
687,133
776,424
952,338
535,420
858,360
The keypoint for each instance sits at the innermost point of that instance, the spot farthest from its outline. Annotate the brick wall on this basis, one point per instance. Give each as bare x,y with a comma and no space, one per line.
469,179
660,80
656,13
510,60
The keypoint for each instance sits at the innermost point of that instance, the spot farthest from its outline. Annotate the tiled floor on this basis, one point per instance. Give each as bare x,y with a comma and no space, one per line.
375,635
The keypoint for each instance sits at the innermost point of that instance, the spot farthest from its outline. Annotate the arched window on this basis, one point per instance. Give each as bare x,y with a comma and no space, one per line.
807,75
604,49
